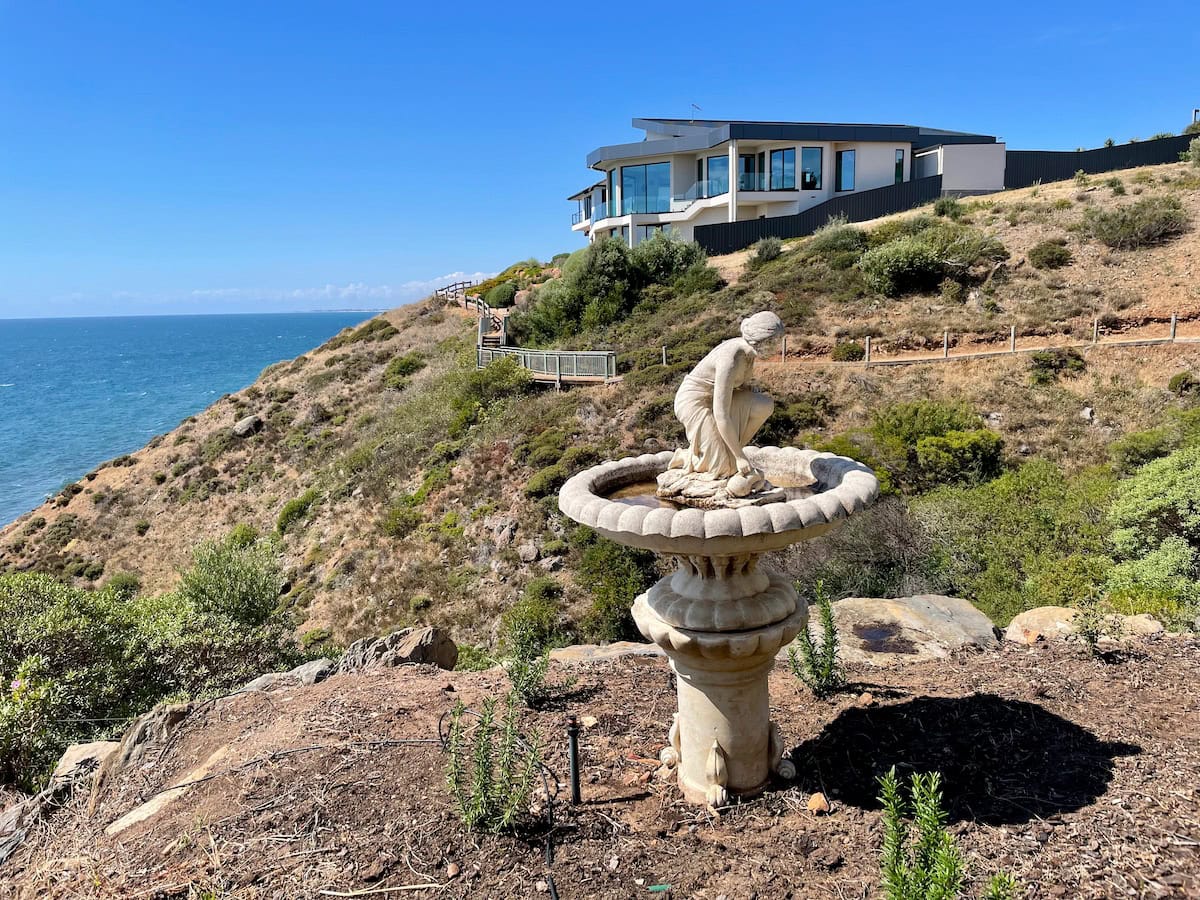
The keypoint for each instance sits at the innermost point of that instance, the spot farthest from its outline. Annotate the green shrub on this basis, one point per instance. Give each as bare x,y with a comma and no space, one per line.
613,576
1193,152
1051,254
1081,178
501,295
848,351
817,663
477,390
922,861
529,629
837,242
1159,501
1045,366
78,664
296,510
1148,221
126,585
377,329
903,266
959,457
491,769
546,481
662,258
985,544
699,278
1182,383
473,659
1163,583
141,527
395,376
227,578
1192,128
315,637
1139,447
401,520
765,250
791,417
948,207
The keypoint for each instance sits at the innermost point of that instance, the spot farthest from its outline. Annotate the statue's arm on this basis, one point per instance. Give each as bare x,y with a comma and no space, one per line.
724,384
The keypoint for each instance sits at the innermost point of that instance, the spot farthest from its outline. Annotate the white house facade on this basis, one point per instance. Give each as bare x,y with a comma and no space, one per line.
689,173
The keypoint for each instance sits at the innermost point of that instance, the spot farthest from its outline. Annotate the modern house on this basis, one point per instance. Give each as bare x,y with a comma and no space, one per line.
689,173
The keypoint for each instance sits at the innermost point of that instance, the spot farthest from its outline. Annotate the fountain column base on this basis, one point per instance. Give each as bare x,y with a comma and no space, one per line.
722,738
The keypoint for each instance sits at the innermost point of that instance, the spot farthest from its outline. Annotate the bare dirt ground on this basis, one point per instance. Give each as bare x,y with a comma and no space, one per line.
1081,776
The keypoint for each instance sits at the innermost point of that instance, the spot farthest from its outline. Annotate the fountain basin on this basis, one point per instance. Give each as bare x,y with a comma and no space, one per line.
836,486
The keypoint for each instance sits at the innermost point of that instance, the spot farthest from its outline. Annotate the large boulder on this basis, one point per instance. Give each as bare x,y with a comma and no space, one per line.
405,647
589,653
1057,623
247,426
878,632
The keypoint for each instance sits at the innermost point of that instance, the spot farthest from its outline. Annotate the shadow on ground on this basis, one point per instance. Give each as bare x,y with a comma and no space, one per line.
1002,761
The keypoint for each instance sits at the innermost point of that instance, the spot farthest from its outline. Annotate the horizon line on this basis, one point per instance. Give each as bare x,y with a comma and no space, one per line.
194,315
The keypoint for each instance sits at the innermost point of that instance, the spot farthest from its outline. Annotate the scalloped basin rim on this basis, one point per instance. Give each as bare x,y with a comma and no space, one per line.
841,486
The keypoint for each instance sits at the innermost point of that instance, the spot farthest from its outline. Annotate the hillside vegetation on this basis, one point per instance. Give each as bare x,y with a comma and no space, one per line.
400,485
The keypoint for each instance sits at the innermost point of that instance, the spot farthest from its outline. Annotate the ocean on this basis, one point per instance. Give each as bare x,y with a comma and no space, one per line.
77,392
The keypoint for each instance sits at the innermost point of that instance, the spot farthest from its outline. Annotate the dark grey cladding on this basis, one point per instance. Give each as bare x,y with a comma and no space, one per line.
702,135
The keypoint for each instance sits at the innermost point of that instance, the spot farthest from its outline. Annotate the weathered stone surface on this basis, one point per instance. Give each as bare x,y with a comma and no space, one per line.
79,759
404,647
315,671
247,426
587,653
527,552
1057,623
154,727
879,632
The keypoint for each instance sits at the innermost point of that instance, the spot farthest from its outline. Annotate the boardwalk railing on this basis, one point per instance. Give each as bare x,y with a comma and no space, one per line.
558,366
454,291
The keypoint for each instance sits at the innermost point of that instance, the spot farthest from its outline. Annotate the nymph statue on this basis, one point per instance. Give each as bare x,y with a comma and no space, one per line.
721,413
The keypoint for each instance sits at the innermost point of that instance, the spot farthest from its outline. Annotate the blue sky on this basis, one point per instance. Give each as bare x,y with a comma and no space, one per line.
170,157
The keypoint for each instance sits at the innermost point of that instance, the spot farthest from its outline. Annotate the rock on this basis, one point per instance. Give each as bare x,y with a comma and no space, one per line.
1057,623
865,699
550,563
589,721
818,805
527,552
908,629
405,647
502,528
313,672
452,870
264,682
247,426
79,759
586,653
1024,449
152,728
994,419
1088,414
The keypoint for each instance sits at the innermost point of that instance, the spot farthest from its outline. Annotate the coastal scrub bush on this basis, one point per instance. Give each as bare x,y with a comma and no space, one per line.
662,258
906,265
948,207
1159,501
296,510
377,329
502,294
765,250
848,351
838,243
395,376
816,663
529,629
475,391
959,456
793,416
1143,223
1045,366
613,576
76,664
1183,383
401,520
1193,152
924,443
983,543
234,579
1049,254
491,768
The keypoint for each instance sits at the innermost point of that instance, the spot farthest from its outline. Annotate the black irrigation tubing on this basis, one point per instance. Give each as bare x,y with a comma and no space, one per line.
543,771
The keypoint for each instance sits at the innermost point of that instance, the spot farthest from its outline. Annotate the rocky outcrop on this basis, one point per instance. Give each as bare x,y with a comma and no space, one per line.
77,765
588,653
1057,623
247,426
405,647
309,673
878,632
155,727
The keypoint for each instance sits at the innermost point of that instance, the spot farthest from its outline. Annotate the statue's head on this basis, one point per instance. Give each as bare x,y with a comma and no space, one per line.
760,328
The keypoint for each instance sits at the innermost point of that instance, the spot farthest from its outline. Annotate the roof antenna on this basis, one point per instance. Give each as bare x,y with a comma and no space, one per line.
697,109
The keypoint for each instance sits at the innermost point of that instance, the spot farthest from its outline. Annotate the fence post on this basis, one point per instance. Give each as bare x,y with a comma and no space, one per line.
1095,330
1012,338
867,353
557,372
664,354
783,349
1174,322
945,345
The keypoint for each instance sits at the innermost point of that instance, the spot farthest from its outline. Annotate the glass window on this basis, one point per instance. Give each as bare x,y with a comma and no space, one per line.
899,166
783,169
612,192
718,176
810,168
645,232
844,170
646,189
748,178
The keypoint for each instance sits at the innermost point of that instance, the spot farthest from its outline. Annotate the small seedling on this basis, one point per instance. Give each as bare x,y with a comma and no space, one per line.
816,664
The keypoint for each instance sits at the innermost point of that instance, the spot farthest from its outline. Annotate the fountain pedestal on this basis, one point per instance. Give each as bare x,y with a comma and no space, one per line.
721,616
722,740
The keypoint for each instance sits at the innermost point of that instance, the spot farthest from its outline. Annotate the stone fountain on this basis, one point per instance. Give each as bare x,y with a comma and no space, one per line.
715,507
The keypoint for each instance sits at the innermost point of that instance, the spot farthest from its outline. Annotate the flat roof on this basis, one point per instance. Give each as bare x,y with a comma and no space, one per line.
579,195
696,134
